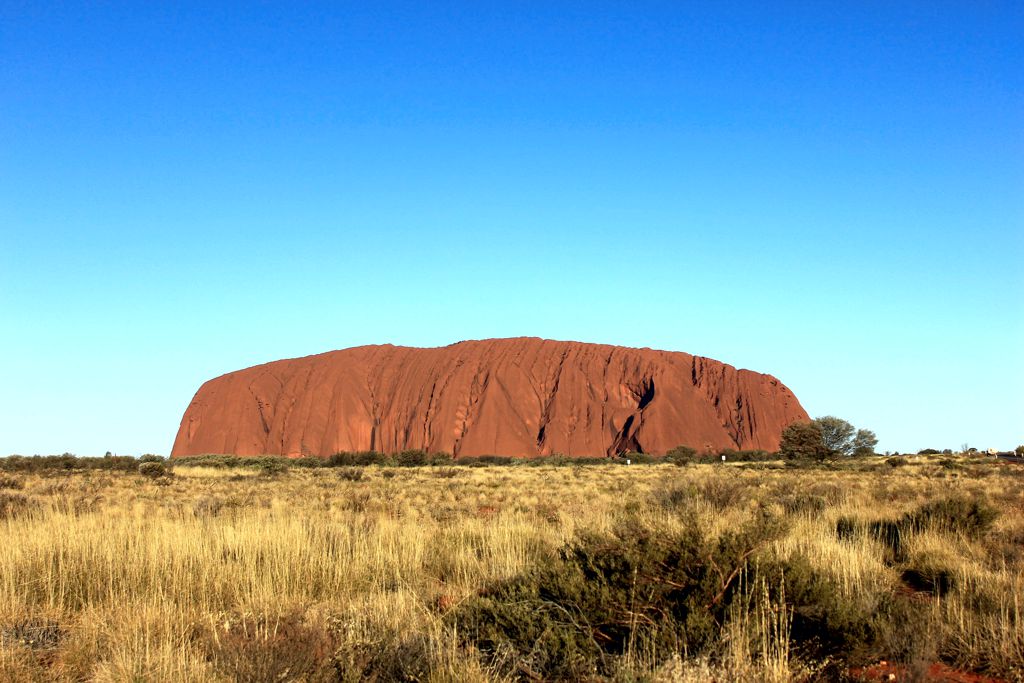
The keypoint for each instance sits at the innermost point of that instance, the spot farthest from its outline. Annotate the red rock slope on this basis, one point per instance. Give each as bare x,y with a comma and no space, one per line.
521,397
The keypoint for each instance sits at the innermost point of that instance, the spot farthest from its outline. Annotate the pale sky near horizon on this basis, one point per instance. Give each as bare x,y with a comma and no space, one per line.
832,195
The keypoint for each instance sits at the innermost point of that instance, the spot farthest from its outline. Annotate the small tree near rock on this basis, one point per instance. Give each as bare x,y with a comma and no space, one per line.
803,440
864,442
842,438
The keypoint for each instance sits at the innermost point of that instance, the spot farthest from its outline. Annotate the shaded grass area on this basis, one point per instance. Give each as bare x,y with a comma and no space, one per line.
737,572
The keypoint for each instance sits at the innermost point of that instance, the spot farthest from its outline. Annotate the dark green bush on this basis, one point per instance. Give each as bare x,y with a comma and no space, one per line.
350,473
676,497
723,493
67,461
440,459
412,458
632,457
152,469
363,458
484,460
389,658
971,517
746,456
681,456
570,617
804,502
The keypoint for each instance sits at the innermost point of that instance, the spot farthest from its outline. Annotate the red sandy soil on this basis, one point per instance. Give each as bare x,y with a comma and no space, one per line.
522,397
937,673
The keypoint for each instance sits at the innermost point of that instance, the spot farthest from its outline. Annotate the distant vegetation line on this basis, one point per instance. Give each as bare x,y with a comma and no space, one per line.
413,458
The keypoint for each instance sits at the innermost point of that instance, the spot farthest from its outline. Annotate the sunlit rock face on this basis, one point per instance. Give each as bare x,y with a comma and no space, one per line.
523,397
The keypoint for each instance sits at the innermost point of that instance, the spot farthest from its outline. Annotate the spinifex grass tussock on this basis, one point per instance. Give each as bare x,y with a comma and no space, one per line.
428,570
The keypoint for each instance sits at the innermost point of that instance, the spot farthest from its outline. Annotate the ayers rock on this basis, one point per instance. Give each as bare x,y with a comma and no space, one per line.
522,397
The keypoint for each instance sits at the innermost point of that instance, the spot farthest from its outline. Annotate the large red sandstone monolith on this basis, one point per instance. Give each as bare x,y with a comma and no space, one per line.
521,397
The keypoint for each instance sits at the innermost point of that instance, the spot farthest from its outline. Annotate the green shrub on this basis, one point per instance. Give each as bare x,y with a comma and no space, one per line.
633,457
485,460
389,657
152,469
350,473
271,467
66,461
722,493
412,458
732,455
798,503
972,518
363,458
440,459
957,514
681,456
676,497
568,618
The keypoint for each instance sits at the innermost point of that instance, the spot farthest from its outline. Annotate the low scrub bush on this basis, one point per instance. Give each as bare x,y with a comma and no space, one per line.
15,504
152,469
798,503
747,456
604,596
681,456
33,633
484,460
254,649
350,473
971,517
67,461
412,458
722,493
11,482
387,658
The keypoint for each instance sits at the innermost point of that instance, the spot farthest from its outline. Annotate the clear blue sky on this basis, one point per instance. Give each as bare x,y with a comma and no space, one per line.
829,192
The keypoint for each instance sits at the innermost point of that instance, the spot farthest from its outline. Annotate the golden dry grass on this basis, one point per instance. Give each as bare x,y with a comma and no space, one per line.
226,574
